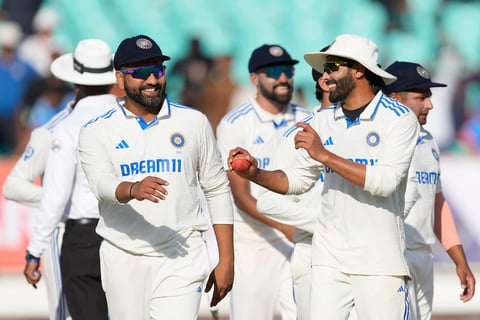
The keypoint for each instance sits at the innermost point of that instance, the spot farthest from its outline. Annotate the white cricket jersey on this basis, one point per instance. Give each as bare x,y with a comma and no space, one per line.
360,231
422,188
300,210
20,184
178,146
251,127
66,193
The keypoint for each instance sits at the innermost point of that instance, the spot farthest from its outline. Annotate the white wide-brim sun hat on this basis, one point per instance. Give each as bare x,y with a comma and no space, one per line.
352,47
90,64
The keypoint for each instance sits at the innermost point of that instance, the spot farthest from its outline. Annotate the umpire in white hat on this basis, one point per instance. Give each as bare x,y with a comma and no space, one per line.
66,194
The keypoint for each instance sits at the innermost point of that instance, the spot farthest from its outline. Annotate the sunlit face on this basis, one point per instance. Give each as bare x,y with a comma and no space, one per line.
340,82
278,90
148,93
418,101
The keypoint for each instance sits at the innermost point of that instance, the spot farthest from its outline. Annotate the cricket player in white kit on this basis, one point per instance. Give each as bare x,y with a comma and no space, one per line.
363,144
20,186
145,162
427,214
66,194
263,282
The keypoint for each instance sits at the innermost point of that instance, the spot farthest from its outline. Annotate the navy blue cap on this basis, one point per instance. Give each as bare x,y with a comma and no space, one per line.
269,55
410,76
136,49
316,74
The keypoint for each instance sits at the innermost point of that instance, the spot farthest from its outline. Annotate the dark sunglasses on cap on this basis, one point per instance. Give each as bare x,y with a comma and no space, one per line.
332,66
144,72
276,71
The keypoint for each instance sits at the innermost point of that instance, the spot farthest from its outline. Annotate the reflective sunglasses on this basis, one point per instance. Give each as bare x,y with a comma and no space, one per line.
276,71
144,72
332,66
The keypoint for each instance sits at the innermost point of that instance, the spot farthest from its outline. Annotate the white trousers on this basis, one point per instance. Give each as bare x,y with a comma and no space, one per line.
334,294
420,263
152,287
263,281
52,277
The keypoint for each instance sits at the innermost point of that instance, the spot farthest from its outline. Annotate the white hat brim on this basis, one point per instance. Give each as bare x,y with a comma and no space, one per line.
62,68
317,59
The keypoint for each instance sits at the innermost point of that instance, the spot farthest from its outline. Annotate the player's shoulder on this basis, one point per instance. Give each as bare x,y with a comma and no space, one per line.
241,112
299,111
392,107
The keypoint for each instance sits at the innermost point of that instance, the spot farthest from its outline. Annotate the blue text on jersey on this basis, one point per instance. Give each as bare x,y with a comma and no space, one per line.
427,177
151,166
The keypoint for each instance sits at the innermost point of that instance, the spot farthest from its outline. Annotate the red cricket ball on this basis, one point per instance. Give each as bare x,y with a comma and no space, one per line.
240,164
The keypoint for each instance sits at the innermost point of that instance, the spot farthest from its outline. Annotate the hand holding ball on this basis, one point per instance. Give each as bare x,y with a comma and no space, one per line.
240,164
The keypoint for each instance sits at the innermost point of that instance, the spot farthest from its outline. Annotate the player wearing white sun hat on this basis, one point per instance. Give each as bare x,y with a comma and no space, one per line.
363,144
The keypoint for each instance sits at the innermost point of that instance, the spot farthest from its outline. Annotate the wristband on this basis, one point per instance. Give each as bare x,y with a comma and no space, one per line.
131,187
31,258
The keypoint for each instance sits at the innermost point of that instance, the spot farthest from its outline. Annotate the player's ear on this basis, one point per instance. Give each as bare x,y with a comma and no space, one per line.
254,78
394,95
120,78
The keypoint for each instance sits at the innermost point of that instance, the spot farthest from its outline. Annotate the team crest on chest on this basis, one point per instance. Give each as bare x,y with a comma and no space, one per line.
373,139
177,140
435,154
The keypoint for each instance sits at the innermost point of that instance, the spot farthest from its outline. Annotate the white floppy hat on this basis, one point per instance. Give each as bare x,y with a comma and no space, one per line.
352,47
90,64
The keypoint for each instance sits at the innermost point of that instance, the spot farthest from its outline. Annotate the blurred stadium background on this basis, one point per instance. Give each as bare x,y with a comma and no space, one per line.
442,35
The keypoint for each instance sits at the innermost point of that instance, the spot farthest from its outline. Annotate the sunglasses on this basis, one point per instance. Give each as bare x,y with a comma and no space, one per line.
276,71
332,66
144,72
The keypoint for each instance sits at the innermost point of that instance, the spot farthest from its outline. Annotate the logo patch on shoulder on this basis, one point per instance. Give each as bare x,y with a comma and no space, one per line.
28,153
373,139
177,140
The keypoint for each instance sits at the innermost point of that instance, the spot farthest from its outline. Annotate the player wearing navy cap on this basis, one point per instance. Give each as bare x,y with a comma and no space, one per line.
262,248
145,161
427,213
363,143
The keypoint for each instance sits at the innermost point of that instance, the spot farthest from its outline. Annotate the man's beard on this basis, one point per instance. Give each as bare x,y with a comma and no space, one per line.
344,87
151,104
272,96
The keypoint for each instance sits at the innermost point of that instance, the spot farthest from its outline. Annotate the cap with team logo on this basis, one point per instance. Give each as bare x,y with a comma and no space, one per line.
410,76
136,49
269,55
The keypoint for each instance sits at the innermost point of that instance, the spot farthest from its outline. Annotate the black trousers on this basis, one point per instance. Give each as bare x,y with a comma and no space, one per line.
80,265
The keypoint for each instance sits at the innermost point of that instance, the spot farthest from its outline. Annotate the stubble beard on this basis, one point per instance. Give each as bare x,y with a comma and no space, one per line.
275,98
344,87
151,104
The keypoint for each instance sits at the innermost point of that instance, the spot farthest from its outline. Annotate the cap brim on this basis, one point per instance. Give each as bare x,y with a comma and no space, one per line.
317,59
63,69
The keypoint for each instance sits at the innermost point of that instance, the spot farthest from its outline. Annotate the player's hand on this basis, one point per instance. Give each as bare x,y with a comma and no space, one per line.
309,140
32,274
240,152
221,278
287,230
150,188
467,281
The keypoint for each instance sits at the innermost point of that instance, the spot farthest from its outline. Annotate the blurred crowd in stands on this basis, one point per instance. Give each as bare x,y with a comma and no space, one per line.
29,95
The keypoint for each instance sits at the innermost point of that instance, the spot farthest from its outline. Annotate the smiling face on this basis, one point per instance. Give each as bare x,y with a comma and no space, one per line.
147,94
338,78
278,91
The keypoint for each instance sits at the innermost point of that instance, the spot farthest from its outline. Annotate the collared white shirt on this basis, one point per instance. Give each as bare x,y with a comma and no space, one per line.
178,146
66,193
360,230
251,127
422,188
20,184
